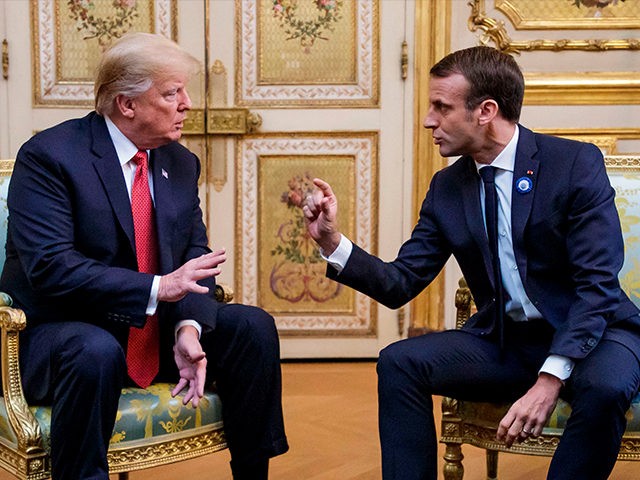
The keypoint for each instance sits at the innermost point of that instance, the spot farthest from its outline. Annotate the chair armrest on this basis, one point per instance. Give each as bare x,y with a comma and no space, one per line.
22,421
464,303
224,293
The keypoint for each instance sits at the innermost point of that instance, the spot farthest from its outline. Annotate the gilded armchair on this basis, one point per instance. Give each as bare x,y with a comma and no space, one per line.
151,429
475,423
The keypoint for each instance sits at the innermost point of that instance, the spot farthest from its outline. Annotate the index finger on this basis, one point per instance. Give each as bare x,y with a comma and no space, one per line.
324,186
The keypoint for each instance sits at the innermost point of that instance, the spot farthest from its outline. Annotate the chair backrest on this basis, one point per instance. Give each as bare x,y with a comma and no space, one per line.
6,168
624,174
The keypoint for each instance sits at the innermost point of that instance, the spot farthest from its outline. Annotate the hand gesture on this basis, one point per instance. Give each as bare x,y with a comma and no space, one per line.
192,366
529,414
320,211
175,285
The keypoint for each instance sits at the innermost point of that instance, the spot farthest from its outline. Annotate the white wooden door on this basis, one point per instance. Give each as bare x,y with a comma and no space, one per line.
332,103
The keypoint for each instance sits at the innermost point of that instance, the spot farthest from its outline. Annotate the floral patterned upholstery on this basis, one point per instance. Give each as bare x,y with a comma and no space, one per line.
142,414
475,423
151,428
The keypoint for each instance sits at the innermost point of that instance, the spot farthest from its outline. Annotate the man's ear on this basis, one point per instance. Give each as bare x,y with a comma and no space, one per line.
488,111
126,106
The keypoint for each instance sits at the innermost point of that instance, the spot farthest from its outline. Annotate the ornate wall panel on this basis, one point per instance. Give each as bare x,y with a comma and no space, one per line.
278,266
578,33
307,53
609,140
64,76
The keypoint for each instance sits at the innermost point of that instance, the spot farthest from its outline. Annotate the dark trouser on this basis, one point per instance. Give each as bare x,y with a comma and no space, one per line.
80,370
461,365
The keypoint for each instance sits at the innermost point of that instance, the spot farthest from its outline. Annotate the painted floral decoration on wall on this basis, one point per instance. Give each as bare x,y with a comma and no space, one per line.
299,275
104,29
599,4
308,31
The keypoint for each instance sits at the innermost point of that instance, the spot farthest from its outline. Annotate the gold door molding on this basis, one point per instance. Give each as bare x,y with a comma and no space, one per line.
432,43
68,37
278,266
307,54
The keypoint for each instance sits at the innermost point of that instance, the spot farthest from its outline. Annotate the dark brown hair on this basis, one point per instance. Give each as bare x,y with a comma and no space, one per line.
490,73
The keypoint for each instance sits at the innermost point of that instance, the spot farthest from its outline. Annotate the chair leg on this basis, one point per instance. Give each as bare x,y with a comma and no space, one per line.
492,465
453,469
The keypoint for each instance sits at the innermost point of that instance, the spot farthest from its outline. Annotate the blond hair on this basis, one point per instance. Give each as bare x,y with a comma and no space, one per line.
133,63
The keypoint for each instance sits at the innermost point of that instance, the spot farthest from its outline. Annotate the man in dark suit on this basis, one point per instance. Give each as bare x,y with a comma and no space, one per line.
562,324
93,271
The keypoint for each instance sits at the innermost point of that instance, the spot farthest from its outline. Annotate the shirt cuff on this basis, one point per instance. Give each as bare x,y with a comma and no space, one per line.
558,366
152,306
340,256
184,323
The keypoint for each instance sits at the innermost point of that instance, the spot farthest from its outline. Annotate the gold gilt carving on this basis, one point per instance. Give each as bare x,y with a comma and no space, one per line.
232,121
154,455
194,123
495,31
570,14
5,59
28,432
221,121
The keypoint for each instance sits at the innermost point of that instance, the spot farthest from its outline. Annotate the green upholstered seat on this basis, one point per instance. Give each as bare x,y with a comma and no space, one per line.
142,414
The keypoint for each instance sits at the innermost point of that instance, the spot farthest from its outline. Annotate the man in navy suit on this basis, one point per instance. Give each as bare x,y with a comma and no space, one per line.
566,324
73,266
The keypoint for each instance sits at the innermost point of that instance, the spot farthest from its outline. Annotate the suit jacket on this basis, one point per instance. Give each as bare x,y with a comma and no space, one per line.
70,253
566,237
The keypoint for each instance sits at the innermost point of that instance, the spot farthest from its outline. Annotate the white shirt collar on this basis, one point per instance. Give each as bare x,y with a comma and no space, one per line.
506,159
124,147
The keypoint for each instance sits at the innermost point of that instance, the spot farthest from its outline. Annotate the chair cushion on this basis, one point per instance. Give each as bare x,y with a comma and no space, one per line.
489,414
142,413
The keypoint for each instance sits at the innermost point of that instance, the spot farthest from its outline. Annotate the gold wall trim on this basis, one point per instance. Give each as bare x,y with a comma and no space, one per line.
605,138
495,31
592,88
567,16
432,35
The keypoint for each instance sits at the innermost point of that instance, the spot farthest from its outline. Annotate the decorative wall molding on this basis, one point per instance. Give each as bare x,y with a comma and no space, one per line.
356,313
53,85
252,90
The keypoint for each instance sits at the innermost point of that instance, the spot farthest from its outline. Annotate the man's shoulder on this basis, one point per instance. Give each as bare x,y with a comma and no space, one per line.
545,141
73,129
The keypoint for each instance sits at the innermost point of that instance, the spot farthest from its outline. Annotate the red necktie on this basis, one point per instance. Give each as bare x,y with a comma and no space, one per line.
143,356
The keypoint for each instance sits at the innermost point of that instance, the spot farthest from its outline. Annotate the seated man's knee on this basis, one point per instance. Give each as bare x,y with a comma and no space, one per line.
93,353
253,326
391,360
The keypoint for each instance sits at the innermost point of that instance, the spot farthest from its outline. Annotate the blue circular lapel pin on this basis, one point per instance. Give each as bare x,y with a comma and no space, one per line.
524,185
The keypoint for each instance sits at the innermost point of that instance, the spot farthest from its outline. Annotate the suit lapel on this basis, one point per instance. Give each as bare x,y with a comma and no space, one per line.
110,172
526,166
165,207
473,211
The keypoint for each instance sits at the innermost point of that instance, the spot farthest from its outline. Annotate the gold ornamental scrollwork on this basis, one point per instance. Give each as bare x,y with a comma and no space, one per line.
495,31
232,121
22,420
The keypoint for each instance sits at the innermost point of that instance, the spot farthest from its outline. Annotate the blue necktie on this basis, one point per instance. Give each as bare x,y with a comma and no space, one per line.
491,217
